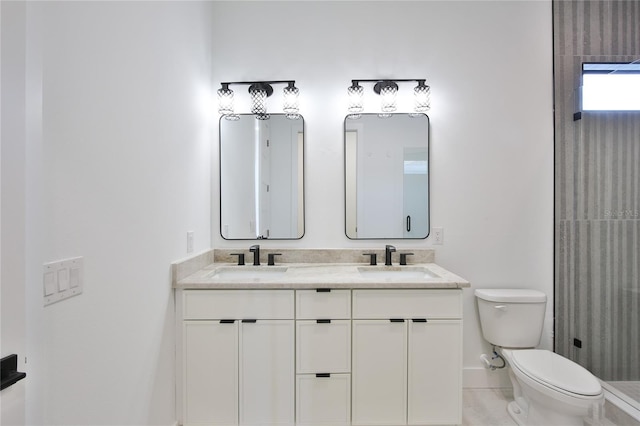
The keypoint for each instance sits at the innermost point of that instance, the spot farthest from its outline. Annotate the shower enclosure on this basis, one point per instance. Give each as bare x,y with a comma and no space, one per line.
597,201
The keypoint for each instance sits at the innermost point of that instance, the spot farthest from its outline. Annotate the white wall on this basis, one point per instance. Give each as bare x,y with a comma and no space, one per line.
490,68
12,203
117,171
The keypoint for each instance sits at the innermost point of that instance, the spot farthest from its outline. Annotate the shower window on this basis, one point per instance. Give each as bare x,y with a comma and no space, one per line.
610,86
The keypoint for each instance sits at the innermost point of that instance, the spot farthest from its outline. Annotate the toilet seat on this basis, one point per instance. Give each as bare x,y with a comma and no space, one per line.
556,372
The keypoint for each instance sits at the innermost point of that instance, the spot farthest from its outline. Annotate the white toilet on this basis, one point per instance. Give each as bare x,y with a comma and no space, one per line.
548,389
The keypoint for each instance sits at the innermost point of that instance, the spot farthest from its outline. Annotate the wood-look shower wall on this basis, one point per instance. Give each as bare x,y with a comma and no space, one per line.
597,195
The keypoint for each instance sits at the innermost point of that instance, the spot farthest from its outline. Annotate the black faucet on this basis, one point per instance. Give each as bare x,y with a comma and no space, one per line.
387,254
255,249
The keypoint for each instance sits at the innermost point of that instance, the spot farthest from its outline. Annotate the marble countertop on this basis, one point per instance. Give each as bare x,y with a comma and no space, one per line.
320,275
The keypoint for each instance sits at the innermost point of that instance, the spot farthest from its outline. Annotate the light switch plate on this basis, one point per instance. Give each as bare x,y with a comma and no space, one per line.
62,279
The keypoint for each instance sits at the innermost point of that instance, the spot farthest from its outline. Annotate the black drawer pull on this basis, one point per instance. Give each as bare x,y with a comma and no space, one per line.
323,375
419,320
396,320
323,290
251,321
323,321
227,321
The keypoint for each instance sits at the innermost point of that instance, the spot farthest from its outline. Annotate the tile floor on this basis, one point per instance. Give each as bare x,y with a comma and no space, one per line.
488,407
631,389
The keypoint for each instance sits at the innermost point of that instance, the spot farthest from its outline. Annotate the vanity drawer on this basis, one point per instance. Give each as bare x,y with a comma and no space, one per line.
238,304
407,303
331,304
323,401
323,347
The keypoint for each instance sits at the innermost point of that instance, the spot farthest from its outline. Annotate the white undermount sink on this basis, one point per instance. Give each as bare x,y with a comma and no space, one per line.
389,273
249,272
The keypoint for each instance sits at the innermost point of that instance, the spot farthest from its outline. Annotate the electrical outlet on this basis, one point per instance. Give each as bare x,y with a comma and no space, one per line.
189,241
438,236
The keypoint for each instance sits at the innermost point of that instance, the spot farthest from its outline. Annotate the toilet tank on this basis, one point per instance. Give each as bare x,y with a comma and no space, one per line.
511,318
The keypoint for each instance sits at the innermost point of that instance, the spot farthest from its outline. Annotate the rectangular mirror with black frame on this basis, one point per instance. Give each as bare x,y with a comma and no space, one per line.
262,177
386,176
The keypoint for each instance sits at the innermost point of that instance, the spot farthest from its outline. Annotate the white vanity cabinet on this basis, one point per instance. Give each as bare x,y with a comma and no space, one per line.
238,357
325,357
407,357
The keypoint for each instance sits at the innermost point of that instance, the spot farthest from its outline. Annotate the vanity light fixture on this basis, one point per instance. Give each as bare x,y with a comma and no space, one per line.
388,90
259,91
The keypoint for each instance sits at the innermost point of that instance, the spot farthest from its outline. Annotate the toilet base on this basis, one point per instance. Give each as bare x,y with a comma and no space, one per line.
533,418
516,413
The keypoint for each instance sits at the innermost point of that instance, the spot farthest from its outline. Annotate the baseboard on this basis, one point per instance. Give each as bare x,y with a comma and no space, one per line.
485,378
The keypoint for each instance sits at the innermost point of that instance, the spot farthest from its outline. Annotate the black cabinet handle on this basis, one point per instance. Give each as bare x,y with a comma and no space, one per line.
323,290
251,321
396,320
419,320
408,223
323,321
227,321
323,375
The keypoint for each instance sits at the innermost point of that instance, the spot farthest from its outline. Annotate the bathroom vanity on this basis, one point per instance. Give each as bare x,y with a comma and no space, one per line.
318,343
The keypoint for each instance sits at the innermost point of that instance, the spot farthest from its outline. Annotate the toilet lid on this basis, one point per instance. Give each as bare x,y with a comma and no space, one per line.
556,371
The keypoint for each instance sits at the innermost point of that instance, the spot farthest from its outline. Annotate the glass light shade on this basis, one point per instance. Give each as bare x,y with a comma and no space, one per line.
258,101
422,96
290,103
388,98
356,95
225,101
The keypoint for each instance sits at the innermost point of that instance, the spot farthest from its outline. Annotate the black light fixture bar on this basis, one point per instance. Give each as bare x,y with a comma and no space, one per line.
390,80
266,85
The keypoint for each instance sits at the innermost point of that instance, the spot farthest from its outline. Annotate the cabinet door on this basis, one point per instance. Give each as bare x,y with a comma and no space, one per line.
434,372
379,372
267,372
210,373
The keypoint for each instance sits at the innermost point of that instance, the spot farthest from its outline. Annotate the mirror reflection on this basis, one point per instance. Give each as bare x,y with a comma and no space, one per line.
386,176
261,177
